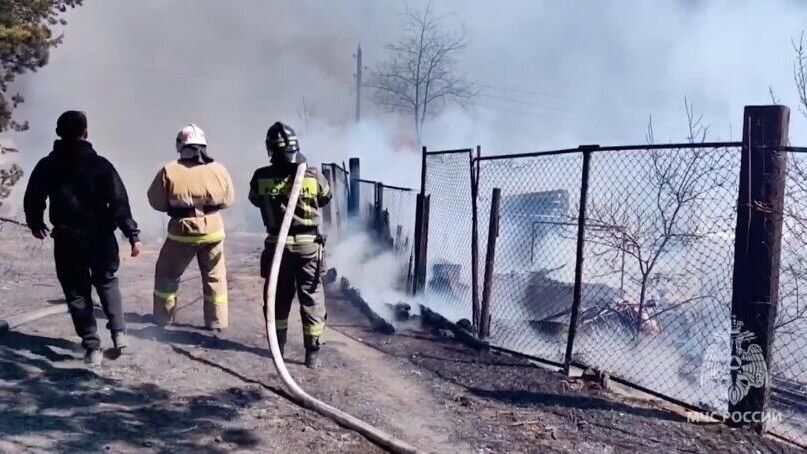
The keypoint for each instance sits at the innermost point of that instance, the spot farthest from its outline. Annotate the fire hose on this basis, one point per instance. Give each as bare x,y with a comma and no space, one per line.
372,433
28,317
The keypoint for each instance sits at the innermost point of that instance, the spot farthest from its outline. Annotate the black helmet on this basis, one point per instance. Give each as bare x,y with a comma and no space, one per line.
281,138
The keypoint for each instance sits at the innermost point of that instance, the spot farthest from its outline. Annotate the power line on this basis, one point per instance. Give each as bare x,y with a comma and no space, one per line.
517,112
523,103
530,92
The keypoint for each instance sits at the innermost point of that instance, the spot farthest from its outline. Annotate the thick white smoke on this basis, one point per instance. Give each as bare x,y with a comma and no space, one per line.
552,75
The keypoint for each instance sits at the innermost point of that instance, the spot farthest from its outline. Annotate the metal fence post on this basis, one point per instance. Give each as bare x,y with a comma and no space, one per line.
490,262
475,241
421,244
378,214
578,265
757,249
354,194
420,232
423,171
327,216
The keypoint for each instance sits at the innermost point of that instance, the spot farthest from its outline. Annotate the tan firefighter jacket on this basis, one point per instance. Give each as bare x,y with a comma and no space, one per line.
193,194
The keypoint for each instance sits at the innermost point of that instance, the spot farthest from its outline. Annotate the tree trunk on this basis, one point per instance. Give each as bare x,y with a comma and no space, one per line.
642,294
417,128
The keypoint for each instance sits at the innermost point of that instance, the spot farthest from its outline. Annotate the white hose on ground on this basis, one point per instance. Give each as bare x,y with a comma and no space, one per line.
27,317
372,433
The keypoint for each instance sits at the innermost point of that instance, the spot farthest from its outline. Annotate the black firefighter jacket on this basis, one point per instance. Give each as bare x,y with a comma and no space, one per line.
269,190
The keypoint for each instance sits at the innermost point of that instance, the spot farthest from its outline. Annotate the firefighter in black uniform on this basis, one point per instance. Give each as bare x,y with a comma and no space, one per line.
302,267
87,202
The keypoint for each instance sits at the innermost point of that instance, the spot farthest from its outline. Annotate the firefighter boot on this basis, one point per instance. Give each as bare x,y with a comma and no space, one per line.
281,341
312,360
93,357
119,341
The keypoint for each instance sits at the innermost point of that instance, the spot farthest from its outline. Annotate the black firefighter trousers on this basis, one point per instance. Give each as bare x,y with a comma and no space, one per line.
86,260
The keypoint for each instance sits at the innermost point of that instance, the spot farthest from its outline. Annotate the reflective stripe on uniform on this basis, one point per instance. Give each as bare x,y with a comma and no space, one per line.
216,299
294,239
214,237
308,209
169,298
281,325
315,330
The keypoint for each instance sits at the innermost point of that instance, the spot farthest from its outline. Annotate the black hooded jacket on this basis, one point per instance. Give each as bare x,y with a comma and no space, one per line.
84,190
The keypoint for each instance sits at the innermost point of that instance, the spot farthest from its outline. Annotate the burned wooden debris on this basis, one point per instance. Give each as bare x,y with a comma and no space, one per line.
354,297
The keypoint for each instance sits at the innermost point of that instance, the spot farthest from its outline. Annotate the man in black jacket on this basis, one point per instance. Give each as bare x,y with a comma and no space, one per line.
87,202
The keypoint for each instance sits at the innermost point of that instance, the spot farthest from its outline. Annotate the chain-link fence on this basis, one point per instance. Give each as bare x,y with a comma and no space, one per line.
651,292
789,363
659,245
448,263
533,276
399,206
654,285
367,203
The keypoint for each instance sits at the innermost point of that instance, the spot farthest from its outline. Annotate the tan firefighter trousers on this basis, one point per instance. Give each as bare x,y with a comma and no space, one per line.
300,273
175,256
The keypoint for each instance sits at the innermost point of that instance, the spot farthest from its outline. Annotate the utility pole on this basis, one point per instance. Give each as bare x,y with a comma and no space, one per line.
358,83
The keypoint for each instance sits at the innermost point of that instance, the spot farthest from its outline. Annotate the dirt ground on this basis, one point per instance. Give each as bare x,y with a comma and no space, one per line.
186,390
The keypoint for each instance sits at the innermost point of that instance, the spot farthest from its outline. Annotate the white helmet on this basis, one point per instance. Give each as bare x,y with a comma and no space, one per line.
190,135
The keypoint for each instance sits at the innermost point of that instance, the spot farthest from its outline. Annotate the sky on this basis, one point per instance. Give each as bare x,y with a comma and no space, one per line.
551,74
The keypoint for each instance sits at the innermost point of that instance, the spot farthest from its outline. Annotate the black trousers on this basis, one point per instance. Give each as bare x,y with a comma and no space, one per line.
83,261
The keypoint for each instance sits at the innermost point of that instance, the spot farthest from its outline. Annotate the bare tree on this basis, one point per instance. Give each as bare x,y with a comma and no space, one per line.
677,183
800,72
794,257
420,75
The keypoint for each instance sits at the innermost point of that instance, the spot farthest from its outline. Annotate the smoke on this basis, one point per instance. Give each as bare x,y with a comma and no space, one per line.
377,273
141,70
552,74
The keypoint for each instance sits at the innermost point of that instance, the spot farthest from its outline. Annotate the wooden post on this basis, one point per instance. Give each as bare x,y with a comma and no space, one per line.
490,262
757,248
474,242
578,265
327,216
354,196
421,244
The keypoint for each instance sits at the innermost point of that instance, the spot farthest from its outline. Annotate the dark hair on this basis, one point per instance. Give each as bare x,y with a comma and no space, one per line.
71,125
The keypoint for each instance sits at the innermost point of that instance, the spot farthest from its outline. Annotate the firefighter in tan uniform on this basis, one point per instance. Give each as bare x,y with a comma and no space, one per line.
302,266
192,190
